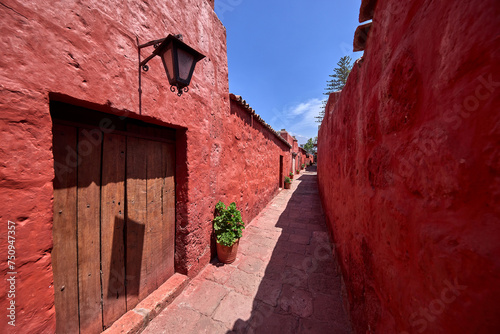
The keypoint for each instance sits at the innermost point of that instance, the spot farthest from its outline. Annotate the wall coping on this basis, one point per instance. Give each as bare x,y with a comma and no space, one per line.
252,112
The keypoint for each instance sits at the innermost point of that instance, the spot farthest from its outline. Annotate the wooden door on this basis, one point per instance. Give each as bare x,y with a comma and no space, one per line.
114,220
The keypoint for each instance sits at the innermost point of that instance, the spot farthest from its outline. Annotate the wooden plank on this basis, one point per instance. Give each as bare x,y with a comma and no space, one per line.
154,225
64,253
135,221
112,228
144,134
83,117
89,174
168,210
156,133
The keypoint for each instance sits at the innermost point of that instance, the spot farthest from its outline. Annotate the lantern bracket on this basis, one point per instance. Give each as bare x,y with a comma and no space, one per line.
154,43
171,45
179,90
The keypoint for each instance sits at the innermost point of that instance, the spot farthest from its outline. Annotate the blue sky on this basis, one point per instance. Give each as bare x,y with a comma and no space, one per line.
280,54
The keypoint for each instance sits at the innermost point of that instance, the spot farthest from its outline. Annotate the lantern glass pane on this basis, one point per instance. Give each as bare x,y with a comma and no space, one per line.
186,61
169,62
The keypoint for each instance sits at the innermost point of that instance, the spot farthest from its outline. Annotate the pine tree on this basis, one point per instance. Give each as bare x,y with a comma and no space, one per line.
338,82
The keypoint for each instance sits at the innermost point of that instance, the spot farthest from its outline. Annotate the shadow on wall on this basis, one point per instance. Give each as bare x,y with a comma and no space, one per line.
301,286
114,216
242,114
119,279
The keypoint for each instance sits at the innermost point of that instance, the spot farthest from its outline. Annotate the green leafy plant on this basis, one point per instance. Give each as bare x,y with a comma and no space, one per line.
288,180
303,166
228,224
291,174
298,171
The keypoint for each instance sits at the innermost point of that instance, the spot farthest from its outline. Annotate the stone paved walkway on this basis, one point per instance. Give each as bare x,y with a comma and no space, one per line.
284,279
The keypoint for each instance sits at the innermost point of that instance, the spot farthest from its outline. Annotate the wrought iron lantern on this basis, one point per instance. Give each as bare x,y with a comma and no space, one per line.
179,60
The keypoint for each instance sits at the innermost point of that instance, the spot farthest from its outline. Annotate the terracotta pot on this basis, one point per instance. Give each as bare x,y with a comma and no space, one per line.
227,254
287,185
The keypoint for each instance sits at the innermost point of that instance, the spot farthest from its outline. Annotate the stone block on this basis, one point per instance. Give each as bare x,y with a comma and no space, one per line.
361,36
367,10
296,301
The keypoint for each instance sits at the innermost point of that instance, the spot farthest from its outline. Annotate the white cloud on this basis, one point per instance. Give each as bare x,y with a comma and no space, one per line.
301,139
304,107
299,119
312,109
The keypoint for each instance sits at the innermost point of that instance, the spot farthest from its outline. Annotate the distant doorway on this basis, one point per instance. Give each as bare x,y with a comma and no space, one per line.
281,172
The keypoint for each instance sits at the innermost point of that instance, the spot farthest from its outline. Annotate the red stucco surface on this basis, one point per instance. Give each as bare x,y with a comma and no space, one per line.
294,163
409,173
305,157
87,56
249,162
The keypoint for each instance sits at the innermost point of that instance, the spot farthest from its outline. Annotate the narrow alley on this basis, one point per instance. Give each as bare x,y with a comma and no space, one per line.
127,127
284,280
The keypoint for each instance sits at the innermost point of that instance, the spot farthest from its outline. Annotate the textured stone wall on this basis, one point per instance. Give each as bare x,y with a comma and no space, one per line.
409,170
305,157
294,149
87,55
248,172
288,137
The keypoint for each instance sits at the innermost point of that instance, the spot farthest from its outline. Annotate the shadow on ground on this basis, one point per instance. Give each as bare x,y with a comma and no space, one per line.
300,291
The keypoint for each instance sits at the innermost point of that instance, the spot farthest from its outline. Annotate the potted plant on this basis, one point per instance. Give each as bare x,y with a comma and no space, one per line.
228,227
288,182
291,175
303,166
298,171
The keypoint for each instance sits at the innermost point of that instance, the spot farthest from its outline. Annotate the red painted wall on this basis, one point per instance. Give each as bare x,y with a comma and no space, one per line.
288,137
305,157
293,143
211,2
249,162
409,170
295,150
87,56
